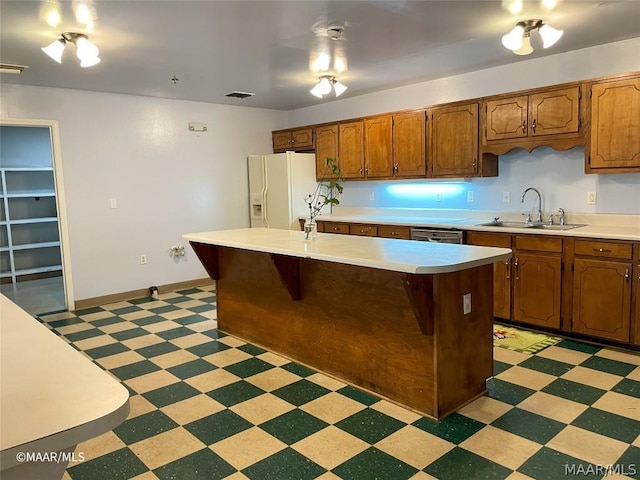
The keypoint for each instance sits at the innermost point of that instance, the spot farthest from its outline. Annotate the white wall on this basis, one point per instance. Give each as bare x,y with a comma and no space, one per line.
166,180
559,175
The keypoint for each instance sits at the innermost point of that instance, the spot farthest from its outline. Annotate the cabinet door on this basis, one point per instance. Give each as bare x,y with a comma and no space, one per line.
454,141
378,147
615,124
302,139
326,147
602,298
636,282
351,149
507,118
554,112
281,141
536,289
394,232
409,144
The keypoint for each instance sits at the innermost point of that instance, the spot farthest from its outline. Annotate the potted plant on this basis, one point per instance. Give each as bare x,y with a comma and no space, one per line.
326,193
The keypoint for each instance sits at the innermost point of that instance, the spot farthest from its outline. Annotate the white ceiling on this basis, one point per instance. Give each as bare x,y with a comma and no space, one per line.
215,47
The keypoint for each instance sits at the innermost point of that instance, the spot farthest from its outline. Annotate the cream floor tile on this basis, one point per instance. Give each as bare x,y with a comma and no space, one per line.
414,446
91,317
501,447
120,359
332,407
191,340
273,359
118,327
166,447
237,476
330,447
247,447
327,476
636,442
116,305
518,476
58,316
205,382
226,357
509,356
151,381
526,377
635,374
66,476
563,355
232,341
551,406
161,326
171,359
94,342
142,341
76,327
593,378
326,381
168,295
98,446
272,379
619,404
136,315
139,406
262,408
200,295
396,411
626,357
588,446
175,314
485,409
190,304
151,305
145,476
204,326
422,476
210,314
191,409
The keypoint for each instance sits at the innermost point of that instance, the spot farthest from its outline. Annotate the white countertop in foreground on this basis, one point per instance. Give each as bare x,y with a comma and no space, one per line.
51,396
386,254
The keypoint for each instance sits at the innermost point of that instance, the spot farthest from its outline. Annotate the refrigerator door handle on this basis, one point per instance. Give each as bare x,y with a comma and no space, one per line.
265,186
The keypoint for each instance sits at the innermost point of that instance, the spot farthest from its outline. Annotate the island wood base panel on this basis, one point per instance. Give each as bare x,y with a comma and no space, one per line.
362,324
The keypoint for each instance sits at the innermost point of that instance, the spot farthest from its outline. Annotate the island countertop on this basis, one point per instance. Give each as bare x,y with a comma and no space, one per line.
386,254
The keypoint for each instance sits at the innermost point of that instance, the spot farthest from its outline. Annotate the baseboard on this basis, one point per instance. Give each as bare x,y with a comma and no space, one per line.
143,292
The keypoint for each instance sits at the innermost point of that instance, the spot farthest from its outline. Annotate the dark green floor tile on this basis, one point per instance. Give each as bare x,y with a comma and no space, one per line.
235,393
499,367
88,311
374,464
214,333
293,426
134,370
175,333
190,320
125,310
579,346
358,395
208,348
157,349
370,425
65,322
218,426
106,350
456,428
548,463
119,465
298,369
300,392
464,465
177,300
249,367
128,334
144,426
107,321
609,366
201,465
164,309
287,464
84,334
546,365
629,463
628,387
609,424
142,300
251,349
202,308
210,299
141,322
574,391
173,393
190,291
529,425
191,369
507,392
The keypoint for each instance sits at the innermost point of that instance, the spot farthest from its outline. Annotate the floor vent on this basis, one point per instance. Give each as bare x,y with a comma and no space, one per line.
240,94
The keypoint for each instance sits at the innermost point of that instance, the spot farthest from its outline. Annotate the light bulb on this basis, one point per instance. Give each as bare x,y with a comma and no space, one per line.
526,48
325,85
315,91
549,35
86,49
89,62
339,88
513,39
55,49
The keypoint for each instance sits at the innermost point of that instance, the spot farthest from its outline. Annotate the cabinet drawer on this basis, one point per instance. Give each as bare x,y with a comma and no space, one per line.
502,240
335,227
394,232
364,230
604,249
543,244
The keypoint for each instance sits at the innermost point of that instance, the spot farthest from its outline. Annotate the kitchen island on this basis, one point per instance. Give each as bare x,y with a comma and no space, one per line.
409,321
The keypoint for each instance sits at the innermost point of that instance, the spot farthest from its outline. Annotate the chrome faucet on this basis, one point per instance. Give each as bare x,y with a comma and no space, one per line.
562,217
538,219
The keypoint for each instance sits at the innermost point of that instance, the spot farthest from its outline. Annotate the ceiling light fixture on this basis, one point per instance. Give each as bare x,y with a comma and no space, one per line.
86,51
518,40
325,84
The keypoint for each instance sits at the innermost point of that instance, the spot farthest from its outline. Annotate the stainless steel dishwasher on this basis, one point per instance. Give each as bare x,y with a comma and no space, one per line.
437,236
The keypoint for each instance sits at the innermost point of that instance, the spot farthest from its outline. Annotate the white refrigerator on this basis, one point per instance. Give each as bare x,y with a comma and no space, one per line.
278,185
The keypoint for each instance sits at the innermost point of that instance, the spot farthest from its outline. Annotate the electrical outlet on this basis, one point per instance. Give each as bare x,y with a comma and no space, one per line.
438,196
591,198
466,304
113,203
143,259
371,196
470,196
506,197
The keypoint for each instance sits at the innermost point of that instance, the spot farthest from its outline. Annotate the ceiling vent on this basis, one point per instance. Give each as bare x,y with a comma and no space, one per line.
240,94
335,32
15,69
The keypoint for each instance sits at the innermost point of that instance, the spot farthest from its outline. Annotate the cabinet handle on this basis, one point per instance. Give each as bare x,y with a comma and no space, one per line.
336,229
602,250
524,126
626,274
361,170
533,126
507,269
395,168
474,164
366,170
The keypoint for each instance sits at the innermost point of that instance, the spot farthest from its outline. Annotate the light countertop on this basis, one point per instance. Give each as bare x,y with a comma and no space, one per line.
386,254
51,396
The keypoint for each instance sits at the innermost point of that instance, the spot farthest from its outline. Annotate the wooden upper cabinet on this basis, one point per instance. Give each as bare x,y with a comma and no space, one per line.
507,118
378,146
453,135
299,139
615,126
351,151
409,144
326,147
554,112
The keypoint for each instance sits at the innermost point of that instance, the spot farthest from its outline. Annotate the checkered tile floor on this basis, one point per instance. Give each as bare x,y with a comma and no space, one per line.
208,406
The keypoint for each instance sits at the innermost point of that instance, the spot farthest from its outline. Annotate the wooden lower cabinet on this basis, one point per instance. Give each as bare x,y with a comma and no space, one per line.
333,227
636,296
363,230
403,233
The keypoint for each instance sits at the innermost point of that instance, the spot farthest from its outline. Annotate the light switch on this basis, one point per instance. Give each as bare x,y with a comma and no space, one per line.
114,203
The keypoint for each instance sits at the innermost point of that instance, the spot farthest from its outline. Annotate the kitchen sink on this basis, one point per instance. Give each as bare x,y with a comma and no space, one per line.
543,226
